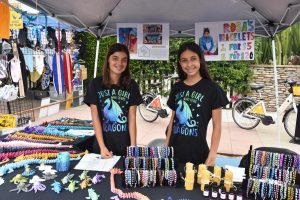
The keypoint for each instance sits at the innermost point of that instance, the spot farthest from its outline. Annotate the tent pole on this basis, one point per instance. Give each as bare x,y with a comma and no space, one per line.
96,58
276,91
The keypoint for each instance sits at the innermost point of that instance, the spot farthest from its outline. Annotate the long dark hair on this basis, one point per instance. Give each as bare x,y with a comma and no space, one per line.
125,78
192,46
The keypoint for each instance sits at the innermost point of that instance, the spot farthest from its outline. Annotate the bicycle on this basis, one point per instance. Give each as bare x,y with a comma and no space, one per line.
247,112
152,105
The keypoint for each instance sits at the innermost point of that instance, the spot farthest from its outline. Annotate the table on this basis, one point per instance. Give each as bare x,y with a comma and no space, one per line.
102,188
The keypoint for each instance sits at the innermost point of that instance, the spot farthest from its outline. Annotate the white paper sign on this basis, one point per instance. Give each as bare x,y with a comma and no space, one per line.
94,162
147,41
228,40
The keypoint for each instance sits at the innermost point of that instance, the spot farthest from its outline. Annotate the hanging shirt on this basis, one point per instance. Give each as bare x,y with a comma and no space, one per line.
193,106
4,22
50,53
15,69
28,56
39,62
68,72
3,67
113,109
58,74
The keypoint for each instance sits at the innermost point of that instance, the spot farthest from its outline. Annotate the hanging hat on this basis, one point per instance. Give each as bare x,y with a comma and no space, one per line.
3,69
6,47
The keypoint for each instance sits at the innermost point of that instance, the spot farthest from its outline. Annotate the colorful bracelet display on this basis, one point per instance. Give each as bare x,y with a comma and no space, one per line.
149,166
272,175
156,152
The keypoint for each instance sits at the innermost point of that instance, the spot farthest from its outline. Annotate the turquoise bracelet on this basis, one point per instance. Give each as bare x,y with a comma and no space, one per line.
67,127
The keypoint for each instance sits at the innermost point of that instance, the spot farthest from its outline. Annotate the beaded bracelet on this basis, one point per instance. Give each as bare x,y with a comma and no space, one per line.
34,129
54,131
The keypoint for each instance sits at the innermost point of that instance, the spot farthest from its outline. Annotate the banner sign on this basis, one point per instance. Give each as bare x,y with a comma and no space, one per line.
148,41
16,21
228,40
7,121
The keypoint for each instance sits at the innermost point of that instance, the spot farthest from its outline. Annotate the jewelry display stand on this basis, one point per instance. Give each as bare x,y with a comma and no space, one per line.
21,107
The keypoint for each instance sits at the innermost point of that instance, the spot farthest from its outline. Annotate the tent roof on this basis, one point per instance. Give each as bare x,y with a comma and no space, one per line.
270,16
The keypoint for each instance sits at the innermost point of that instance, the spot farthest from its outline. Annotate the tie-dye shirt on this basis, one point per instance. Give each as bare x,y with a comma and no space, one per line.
193,107
113,109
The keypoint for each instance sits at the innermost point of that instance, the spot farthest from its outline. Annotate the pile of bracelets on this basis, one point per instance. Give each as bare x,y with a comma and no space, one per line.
272,175
149,166
67,127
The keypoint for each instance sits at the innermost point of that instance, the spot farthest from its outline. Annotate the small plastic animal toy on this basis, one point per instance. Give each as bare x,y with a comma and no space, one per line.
28,171
92,194
49,176
43,167
85,183
37,186
97,178
67,178
18,179
71,186
56,187
21,187
83,175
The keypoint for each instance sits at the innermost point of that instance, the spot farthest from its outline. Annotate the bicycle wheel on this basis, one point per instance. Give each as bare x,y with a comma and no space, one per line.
238,114
289,121
147,115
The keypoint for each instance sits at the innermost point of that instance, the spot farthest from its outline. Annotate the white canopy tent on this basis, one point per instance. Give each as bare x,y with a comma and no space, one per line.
99,17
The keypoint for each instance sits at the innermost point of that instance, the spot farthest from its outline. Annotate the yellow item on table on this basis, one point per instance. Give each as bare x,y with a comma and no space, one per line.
205,178
217,175
228,180
201,168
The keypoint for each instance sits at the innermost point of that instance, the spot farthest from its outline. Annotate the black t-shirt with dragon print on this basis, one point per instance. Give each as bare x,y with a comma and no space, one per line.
193,107
113,109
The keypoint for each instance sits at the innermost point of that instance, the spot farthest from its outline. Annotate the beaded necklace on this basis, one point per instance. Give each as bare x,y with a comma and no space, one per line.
18,153
12,137
67,127
45,156
18,144
43,136
11,166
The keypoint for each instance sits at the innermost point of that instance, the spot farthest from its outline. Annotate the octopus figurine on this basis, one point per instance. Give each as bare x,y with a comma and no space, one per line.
37,185
48,176
43,167
67,178
56,187
97,178
18,179
92,194
21,187
71,186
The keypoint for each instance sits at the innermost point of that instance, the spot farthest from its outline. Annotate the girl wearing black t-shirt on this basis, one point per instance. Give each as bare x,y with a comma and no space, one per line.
113,99
194,101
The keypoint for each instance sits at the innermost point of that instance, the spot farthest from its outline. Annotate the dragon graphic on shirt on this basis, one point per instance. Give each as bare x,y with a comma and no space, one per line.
113,112
184,114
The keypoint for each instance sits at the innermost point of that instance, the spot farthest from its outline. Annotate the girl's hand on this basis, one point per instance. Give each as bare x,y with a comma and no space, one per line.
210,161
105,153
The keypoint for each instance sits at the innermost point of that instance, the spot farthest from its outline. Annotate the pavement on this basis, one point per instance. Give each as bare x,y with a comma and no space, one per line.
234,140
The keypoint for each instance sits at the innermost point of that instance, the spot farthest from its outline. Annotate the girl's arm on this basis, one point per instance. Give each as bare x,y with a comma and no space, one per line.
105,153
215,138
132,125
169,129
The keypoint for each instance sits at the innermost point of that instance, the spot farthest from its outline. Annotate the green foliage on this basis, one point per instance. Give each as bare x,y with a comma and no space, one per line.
234,75
287,43
229,74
